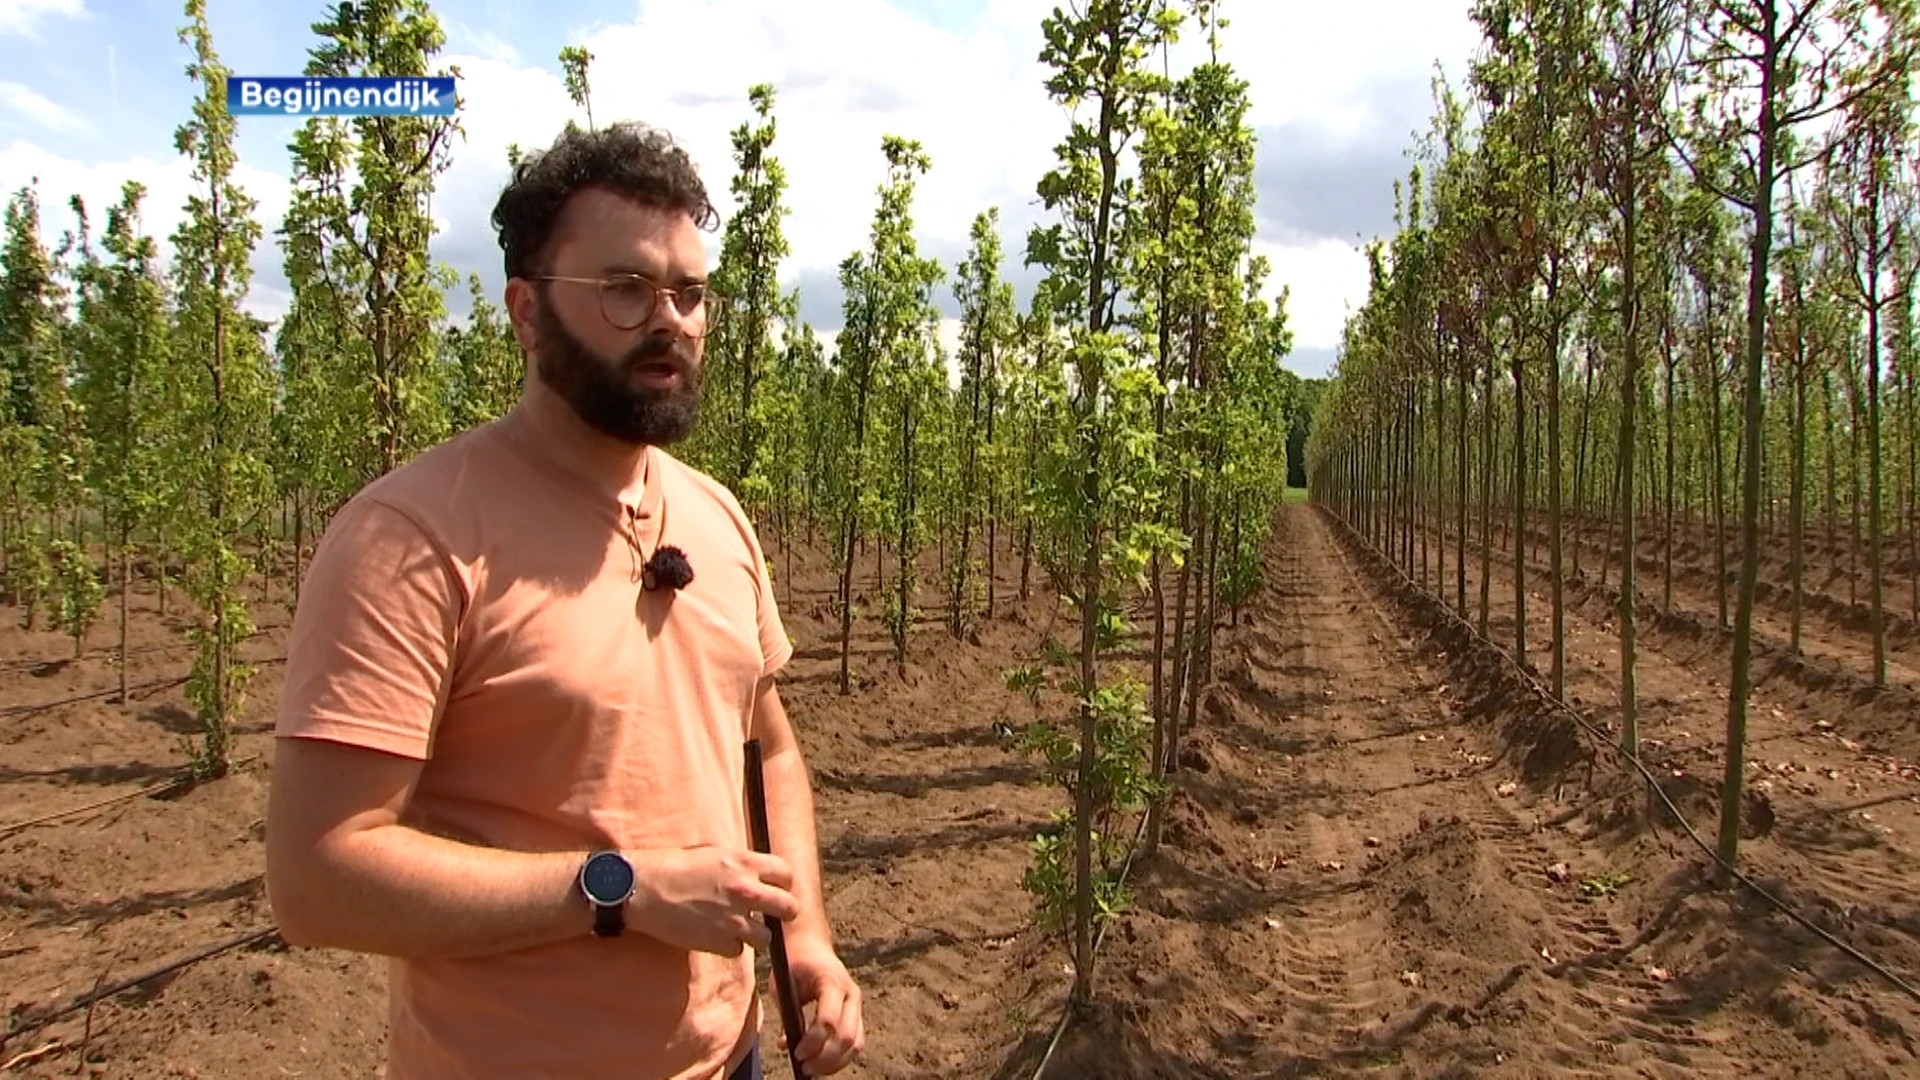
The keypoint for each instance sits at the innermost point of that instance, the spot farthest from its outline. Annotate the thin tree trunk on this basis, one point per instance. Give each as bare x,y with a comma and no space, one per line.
1756,343
1853,507
1797,544
126,592
1460,485
1833,493
1875,569
1583,507
1629,401
1489,465
1719,489
1520,503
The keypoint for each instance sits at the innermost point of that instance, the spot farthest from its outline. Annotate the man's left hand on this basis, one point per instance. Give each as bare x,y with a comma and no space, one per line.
837,1031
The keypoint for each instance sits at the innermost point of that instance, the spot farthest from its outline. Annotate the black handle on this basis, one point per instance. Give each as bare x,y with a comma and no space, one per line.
790,1019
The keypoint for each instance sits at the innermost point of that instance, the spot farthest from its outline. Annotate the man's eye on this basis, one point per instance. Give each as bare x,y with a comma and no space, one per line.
628,287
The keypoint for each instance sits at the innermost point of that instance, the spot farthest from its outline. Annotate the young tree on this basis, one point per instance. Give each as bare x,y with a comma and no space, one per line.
119,389
1769,68
986,324
29,343
887,289
1871,204
358,229
1631,165
488,371
220,390
1098,54
574,61
742,353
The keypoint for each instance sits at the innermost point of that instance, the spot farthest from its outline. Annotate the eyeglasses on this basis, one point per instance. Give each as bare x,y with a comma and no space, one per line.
628,300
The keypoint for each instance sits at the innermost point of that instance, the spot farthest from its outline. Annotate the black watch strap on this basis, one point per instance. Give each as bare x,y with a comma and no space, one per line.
609,919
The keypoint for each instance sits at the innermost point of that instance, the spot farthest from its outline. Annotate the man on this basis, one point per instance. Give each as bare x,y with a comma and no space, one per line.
511,750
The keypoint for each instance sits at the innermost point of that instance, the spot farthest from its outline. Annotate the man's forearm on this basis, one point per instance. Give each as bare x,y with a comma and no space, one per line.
396,891
791,823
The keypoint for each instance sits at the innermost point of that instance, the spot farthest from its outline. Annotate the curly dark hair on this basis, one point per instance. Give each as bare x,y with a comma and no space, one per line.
630,159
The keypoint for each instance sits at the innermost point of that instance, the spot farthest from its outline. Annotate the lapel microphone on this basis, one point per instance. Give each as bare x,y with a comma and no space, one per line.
668,569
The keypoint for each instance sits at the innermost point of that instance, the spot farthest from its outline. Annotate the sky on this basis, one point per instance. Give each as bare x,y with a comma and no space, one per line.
91,92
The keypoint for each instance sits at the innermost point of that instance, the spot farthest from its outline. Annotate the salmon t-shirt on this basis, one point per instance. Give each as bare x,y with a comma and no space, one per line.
481,609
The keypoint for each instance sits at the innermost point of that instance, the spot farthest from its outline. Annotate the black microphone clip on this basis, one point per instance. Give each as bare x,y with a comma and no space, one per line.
668,569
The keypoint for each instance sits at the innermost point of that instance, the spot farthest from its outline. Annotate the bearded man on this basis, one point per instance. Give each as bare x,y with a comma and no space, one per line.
520,679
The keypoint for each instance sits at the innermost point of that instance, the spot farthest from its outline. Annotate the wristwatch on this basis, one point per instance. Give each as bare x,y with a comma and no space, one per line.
606,878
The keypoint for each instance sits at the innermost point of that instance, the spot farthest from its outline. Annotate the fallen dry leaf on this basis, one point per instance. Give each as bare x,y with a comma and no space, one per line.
1507,787
1658,974
1330,866
1559,871
1412,978
1373,841
1273,924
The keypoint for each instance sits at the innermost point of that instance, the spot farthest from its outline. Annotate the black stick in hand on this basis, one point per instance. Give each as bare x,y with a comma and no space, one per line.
790,1018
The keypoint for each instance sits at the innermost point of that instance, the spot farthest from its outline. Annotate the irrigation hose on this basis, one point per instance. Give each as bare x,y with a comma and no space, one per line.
1601,736
83,1000
28,710
185,777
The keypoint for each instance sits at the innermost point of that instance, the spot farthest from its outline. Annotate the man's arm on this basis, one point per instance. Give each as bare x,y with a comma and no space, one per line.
343,873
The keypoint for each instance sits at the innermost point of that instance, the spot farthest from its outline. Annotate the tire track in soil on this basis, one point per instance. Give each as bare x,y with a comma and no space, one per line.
1342,890
1603,1015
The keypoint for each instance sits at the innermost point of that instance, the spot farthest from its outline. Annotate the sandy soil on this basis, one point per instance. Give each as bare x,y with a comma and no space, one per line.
1347,885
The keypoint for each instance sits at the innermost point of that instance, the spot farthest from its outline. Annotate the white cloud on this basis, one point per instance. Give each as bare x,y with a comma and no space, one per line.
24,102
845,73
24,16
462,38
168,184
1318,60
1326,281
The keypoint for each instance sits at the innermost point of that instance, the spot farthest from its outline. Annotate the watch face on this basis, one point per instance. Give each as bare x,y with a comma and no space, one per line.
607,879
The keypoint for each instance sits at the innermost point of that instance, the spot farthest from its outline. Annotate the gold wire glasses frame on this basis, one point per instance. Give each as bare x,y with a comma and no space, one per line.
627,301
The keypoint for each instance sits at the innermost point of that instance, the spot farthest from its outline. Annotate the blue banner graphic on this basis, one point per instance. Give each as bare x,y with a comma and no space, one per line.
317,96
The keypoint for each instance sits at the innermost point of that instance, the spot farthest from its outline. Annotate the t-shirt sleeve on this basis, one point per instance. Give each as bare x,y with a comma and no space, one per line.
369,656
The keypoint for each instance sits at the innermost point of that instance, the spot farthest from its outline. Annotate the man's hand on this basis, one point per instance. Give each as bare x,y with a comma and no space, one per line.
837,1030
710,899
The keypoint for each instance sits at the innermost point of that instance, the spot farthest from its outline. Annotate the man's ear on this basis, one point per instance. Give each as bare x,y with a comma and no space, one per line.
522,305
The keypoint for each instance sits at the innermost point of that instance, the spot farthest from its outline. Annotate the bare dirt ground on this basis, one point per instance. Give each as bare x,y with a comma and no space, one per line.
1836,621
1356,875
1347,886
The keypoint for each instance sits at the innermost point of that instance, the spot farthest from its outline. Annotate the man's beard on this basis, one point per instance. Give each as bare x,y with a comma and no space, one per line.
603,394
